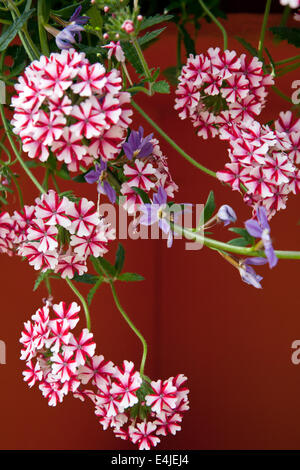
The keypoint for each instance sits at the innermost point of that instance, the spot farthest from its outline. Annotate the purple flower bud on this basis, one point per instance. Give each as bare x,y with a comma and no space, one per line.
226,214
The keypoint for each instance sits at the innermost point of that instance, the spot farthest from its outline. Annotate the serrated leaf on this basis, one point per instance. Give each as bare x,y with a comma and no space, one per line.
132,57
209,207
130,277
41,277
291,35
86,278
120,258
93,290
238,242
149,36
144,196
161,87
152,20
11,32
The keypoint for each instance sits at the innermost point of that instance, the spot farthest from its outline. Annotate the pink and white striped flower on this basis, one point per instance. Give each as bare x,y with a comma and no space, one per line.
164,394
64,366
142,435
53,210
43,234
33,373
84,217
68,313
98,371
83,348
139,175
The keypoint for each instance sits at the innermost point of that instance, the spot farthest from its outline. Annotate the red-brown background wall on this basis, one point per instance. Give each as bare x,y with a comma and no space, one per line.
232,341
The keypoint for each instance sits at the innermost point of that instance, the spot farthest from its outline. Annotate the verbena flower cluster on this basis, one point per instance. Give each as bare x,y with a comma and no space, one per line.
72,109
62,364
264,161
218,87
56,233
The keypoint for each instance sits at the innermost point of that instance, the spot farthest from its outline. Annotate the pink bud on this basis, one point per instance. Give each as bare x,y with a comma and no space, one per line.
139,17
105,36
117,36
106,9
127,26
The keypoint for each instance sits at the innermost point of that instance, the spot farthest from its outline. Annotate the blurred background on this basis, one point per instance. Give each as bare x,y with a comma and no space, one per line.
231,340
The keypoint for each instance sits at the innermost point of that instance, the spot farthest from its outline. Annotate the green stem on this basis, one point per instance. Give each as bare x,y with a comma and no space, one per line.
217,22
217,245
143,62
42,31
83,302
132,326
285,15
16,152
172,143
18,189
264,27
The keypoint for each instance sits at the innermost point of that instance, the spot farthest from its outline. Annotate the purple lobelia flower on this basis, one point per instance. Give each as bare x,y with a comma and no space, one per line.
248,274
67,37
100,175
226,214
138,146
158,212
260,228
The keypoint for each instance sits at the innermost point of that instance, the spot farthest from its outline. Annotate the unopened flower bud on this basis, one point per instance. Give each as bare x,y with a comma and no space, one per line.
139,17
105,36
106,9
128,26
226,214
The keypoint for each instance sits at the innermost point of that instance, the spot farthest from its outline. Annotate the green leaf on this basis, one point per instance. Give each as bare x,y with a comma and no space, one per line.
152,20
247,46
171,73
291,35
209,207
86,278
130,277
93,290
31,164
101,264
79,178
243,232
144,196
189,43
120,258
66,12
64,172
41,277
161,87
238,242
132,57
11,32
150,36
95,17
